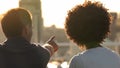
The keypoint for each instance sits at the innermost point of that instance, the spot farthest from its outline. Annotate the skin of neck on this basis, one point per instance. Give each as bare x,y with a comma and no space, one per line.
87,46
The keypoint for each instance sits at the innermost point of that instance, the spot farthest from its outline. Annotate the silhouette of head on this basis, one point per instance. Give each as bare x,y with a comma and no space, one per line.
17,22
87,23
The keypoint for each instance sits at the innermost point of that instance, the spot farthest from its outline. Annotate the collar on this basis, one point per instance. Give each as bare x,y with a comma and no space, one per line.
16,42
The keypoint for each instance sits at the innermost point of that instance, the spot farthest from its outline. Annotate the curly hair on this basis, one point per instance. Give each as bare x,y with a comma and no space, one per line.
88,23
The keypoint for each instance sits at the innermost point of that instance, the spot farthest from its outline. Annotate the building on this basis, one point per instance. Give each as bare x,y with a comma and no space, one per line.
114,28
34,6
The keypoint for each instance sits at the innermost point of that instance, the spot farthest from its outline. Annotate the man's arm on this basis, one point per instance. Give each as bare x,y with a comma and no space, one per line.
51,45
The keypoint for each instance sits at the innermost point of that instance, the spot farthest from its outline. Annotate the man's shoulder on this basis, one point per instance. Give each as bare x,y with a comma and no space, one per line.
39,48
43,52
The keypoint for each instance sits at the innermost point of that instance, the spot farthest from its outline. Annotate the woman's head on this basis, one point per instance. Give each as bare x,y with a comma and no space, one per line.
87,23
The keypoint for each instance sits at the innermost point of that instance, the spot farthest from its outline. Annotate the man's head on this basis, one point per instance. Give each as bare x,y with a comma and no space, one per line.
87,23
17,22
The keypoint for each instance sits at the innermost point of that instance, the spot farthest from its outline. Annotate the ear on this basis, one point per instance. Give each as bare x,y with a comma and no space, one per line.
25,31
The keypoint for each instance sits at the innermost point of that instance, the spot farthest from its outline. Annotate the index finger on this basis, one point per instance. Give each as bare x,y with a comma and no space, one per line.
51,38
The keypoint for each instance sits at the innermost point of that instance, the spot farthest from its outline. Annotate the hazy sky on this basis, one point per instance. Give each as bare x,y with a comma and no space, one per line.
54,11
7,4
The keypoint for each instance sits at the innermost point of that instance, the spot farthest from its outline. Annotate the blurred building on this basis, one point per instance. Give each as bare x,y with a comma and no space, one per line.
59,34
114,28
34,6
114,37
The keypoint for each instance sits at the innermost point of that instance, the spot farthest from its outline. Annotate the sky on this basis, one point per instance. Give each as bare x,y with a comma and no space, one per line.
7,4
54,11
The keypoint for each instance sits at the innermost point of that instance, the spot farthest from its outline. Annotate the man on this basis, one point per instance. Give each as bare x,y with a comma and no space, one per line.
17,51
88,25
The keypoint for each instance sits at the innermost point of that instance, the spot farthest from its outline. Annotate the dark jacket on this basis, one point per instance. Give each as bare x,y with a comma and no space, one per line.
19,53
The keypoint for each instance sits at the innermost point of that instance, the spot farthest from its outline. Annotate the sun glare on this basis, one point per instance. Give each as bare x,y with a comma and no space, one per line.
8,4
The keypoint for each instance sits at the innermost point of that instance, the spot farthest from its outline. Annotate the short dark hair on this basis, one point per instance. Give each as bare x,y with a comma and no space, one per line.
87,23
14,21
